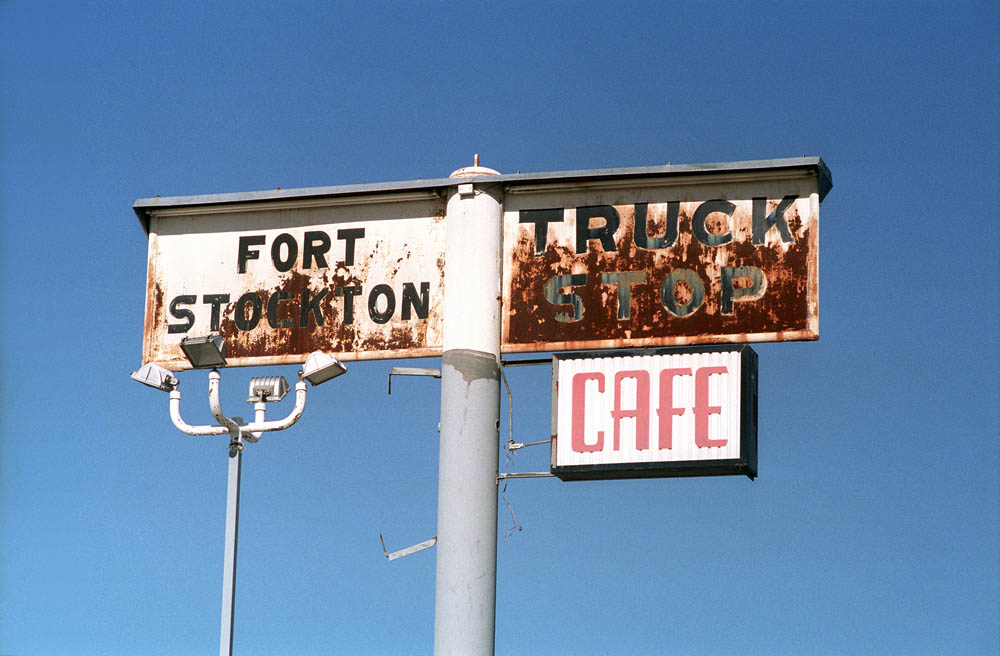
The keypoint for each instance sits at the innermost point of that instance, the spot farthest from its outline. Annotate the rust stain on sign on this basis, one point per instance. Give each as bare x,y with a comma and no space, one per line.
657,267
648,257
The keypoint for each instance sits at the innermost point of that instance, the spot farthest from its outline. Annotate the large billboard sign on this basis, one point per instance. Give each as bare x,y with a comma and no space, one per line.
668,412
599,259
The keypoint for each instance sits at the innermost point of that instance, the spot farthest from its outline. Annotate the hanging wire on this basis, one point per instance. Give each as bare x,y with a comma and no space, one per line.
507,449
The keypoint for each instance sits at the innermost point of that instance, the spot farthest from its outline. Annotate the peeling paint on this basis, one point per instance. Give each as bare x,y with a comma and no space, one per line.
768,293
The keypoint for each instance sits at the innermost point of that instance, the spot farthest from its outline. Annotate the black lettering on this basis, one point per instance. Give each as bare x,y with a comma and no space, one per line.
413,302
272,310
181,313
699,228
682,292
316,244
291,254
541,219
243,322
605,233
744,283
390,303
763,222
623,280
245,253
348,293
312,306
216,300
350,235
642,238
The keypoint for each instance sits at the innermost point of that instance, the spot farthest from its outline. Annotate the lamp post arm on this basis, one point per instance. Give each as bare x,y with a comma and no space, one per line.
252,431
214,404
183,426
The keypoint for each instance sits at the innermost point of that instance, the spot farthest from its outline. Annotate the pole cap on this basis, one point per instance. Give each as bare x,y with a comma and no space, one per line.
474,170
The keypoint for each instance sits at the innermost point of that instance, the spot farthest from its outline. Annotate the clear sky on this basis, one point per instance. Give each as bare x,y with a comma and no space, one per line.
873,526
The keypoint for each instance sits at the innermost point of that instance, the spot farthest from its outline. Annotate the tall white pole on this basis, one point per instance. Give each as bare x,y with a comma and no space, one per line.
465,586
229,564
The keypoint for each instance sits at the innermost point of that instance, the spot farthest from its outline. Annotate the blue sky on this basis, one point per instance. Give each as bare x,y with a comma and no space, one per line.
873,526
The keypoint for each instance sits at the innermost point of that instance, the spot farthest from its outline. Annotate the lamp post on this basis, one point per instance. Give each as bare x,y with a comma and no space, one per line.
204,352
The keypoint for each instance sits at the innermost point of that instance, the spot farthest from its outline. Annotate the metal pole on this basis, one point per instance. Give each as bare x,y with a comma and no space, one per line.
465,586
229,565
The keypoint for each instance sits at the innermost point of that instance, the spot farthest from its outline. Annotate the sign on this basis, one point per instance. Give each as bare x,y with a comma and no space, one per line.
668,412
362,280
659,262
622,258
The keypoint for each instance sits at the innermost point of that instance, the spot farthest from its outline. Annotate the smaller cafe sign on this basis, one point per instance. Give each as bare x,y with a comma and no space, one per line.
655,413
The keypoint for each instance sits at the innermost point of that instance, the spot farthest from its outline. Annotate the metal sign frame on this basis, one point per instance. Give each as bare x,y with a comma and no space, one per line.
744,464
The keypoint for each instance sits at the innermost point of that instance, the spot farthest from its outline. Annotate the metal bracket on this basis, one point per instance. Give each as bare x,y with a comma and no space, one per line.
514,446
525,363
502,477
235,436
412,371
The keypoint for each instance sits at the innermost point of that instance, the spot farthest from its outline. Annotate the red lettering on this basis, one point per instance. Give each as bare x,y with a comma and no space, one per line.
667,411
702,410
641,411
580,412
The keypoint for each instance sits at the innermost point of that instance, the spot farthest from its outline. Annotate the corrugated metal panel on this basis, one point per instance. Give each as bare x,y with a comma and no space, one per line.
612,412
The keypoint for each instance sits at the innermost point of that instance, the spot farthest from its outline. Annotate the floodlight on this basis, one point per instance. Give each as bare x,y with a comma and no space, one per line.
155,376
321,367
204,352
268,388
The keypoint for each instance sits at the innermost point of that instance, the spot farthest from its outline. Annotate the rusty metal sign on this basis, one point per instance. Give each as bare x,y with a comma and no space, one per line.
362,279
614,258
724,257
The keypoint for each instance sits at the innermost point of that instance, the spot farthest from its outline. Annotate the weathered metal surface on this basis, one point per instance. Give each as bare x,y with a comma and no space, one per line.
362,280
772,286
668,412
666,262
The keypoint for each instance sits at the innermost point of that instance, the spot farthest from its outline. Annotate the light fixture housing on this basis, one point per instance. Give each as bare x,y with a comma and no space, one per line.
205,352
268,388
155,376
321,367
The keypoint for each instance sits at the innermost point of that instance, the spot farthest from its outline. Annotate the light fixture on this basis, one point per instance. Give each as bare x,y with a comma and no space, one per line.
155,376
210,352
268,388
205,352
321,367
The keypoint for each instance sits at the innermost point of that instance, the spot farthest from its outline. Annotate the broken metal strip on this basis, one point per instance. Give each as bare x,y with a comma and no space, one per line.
426,544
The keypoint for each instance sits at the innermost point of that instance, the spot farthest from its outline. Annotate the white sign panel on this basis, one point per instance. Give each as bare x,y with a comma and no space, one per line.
671,412
363,280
